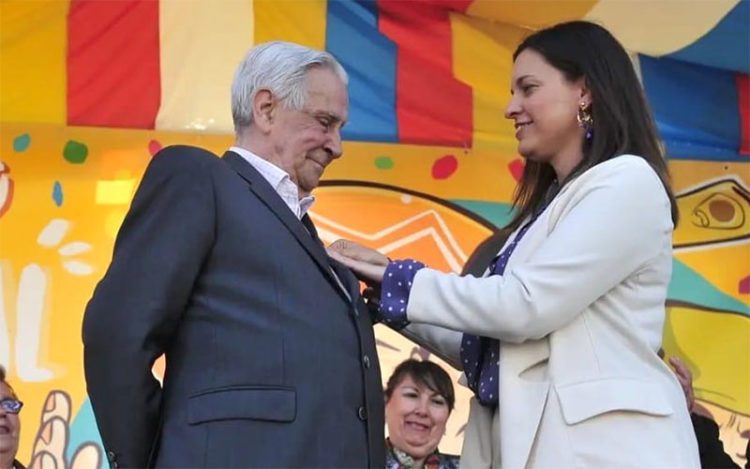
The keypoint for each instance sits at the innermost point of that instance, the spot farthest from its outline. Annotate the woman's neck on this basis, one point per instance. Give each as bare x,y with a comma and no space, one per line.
567,159
564,167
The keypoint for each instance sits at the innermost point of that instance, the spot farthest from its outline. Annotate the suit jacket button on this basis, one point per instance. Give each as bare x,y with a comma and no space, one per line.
362,413
111,456
366,361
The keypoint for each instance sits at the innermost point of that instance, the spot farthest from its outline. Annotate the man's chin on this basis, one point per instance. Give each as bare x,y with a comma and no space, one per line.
310,181
307,187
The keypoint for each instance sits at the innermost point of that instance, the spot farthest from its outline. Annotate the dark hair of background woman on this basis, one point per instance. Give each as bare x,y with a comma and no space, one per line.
424,373
2,380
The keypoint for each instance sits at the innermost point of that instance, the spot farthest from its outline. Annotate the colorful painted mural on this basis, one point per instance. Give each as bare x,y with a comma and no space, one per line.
91,89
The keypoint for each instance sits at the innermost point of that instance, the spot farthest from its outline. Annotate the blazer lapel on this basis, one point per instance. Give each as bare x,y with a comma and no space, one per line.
271,199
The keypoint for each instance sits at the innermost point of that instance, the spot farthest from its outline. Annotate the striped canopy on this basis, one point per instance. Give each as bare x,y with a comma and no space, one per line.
422,71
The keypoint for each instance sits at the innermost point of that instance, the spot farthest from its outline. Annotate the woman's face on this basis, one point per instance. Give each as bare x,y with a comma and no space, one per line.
10,425
416,418
544,105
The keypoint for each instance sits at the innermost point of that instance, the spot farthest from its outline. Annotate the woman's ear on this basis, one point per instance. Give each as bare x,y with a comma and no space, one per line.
585,93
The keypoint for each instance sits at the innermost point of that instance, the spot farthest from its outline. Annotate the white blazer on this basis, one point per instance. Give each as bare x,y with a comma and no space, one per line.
579,313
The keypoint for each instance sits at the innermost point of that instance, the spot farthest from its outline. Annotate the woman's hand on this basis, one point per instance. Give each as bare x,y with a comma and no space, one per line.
685,377
368,264
358,252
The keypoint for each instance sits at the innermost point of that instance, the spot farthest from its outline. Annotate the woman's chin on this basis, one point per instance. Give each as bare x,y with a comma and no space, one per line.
419,445
529,154
525,150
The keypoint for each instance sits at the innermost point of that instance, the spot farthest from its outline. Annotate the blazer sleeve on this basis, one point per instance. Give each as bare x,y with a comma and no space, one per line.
137,306
620,221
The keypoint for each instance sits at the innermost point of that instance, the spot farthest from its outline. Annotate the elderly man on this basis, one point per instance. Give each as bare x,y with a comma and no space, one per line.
10,424
270,353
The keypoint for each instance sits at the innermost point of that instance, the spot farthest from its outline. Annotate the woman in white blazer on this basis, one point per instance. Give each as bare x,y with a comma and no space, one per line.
559,340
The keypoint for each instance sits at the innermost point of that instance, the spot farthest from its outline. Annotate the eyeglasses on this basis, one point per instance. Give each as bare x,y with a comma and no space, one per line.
12,406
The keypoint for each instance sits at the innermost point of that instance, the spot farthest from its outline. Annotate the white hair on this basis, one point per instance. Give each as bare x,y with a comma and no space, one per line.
281,68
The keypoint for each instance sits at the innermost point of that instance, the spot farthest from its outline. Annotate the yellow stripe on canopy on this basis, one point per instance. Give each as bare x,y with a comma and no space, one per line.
533,14
483,59
33,44
300,21
659,27
202,42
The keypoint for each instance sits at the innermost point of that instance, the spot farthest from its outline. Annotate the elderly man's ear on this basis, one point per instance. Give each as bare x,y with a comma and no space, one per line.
264,110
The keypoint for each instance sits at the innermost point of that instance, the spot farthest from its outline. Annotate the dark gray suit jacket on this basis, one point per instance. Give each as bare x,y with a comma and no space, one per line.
269,363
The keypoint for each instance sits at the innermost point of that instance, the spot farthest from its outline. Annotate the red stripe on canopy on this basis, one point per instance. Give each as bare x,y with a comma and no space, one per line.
743,94
113,63
432,107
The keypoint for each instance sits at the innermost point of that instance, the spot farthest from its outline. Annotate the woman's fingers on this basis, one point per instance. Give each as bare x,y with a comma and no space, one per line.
356,251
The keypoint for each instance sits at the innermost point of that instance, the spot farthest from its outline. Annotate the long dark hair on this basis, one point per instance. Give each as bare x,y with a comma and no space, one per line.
622,120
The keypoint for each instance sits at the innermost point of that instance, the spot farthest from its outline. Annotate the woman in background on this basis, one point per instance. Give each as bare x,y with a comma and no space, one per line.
10,424
419,398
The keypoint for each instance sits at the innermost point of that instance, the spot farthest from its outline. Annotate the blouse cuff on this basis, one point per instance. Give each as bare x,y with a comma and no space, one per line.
394,292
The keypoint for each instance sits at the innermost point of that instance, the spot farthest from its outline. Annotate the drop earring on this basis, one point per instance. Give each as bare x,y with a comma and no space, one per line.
585,119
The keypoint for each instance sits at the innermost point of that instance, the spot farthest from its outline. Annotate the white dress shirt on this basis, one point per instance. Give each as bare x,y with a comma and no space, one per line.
287,190
280,181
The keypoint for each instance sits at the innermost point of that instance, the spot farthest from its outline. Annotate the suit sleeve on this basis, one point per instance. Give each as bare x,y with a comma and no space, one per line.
619,223
137,306
444,343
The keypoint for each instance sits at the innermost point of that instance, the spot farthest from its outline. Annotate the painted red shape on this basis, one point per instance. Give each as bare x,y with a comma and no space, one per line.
744,286
516,168
153,147
743,95
6,188
444,167
113,63
432,107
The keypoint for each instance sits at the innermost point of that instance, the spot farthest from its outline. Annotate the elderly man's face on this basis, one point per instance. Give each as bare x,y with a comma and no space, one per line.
305,141
10,425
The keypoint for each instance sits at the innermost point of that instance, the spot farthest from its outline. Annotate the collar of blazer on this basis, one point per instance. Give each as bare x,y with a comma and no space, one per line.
307,237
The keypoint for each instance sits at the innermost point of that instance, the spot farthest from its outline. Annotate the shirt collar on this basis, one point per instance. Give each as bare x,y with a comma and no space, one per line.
280,181
270,172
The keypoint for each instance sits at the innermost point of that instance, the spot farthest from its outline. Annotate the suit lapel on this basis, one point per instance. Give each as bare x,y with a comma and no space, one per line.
263,190
347,280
